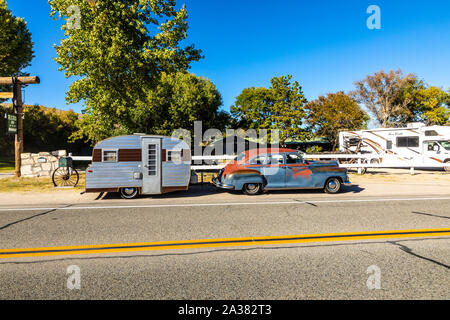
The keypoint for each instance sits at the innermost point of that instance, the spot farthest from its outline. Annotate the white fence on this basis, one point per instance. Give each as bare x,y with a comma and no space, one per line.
412,165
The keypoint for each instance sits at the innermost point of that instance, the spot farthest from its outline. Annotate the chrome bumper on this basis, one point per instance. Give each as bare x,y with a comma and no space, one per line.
219,184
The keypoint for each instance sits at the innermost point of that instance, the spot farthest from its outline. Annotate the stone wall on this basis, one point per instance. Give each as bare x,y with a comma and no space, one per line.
40,164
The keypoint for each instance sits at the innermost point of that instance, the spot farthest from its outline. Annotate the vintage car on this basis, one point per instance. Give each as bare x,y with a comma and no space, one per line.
258,170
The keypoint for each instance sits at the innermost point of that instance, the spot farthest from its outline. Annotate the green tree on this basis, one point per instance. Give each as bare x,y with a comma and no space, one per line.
330,114
386,96
45,129
281,106
16,49
117,50
177,101
430,105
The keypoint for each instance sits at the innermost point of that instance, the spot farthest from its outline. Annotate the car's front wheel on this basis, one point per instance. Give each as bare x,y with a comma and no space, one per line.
129,193
333,185
252,189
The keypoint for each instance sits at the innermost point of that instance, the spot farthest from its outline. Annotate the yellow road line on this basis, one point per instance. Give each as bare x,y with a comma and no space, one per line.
226,242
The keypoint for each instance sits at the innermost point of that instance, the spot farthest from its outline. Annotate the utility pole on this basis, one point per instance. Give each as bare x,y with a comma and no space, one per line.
17,83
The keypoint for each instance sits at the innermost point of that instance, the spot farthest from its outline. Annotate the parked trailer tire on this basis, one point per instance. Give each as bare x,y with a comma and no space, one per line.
129,193
333,185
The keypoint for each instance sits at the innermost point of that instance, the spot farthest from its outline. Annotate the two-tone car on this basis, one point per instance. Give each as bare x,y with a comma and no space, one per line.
260,170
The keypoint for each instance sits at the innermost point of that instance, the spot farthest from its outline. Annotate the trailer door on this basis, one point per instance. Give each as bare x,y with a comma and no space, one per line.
151,161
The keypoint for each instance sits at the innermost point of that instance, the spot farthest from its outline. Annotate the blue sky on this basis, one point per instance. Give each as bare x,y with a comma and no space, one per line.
325,45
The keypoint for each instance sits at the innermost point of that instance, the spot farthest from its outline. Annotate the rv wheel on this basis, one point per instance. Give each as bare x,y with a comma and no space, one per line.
447,165
128,193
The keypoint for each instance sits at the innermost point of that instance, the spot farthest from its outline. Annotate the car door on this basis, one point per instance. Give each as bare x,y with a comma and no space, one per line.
431,151
298,172
274,170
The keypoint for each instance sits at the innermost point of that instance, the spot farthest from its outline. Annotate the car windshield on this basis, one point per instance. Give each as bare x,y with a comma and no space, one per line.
446,144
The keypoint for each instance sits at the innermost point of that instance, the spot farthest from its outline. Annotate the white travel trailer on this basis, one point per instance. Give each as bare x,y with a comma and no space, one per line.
416,145
139,164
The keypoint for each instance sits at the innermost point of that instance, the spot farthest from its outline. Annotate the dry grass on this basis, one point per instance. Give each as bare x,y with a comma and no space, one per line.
41,184
401,176
207,177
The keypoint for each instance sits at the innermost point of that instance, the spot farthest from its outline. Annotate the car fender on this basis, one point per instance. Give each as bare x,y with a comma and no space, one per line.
240,177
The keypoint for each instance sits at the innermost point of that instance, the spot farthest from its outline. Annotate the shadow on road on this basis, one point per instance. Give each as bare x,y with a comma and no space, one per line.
209,189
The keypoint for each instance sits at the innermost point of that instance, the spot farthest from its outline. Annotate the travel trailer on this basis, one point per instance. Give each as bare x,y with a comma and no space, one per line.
416,145
139,164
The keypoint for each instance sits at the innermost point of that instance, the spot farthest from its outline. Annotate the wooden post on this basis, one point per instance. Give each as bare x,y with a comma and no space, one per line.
17,83
359,162
18,140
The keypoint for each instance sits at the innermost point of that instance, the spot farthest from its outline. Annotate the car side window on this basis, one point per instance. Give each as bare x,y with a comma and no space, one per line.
293,158
276,159
258,160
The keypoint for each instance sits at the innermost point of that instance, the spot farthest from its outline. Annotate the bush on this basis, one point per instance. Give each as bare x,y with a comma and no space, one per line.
45,129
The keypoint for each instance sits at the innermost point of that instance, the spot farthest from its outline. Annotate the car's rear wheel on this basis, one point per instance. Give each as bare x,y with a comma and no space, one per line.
333,185
129,193
252,189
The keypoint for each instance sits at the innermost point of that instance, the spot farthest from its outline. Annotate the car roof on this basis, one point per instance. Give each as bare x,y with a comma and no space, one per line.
253,152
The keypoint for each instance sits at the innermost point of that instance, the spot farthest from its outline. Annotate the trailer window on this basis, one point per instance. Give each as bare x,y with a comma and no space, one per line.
406,142
152,160
109,156
174,156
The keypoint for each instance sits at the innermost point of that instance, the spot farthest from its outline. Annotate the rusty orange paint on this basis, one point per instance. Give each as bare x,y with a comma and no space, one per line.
301,172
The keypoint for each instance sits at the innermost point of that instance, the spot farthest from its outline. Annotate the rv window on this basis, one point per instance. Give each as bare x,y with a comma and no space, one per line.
432,146
109,156
446,145
410,142
389,145
174,156
430,133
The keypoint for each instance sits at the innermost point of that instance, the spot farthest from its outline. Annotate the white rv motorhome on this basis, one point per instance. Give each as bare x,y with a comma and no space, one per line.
139,164
416,145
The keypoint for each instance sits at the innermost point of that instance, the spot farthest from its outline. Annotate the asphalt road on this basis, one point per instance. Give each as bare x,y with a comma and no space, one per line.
410,267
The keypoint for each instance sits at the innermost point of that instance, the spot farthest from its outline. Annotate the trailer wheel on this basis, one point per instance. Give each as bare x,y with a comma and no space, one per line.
129,193
447,165
252,189
333,185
